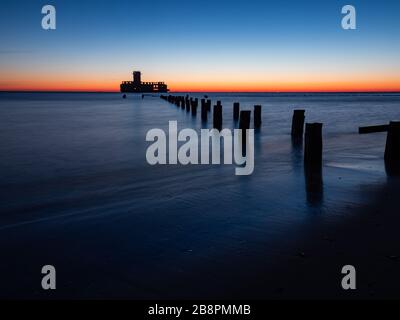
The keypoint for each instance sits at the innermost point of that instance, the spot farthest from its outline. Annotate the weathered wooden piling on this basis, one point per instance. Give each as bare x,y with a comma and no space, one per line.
244,124
392,151
236,109
188,104
313,144
217,117
194,105
257,116
203,110
209,105
373,129
124,96
298,124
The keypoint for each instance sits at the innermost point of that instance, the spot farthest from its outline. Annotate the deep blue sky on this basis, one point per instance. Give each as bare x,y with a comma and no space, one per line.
202,43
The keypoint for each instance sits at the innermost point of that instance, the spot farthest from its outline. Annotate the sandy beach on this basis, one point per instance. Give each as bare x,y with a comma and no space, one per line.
310,266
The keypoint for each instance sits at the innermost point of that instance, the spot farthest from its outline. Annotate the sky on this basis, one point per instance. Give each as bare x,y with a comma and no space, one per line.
252,45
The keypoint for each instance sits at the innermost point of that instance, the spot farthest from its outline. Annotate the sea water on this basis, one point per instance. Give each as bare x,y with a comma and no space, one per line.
78,193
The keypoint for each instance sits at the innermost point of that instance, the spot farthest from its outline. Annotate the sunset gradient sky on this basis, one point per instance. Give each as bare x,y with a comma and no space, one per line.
254,45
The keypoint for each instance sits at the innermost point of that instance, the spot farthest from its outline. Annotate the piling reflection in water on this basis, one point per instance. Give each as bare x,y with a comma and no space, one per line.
313,174
314,185
297,153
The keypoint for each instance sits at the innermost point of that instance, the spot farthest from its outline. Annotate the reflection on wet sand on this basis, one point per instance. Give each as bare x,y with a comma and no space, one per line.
314,185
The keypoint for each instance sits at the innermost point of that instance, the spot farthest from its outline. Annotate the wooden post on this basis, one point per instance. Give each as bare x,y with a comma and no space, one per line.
209,105
313,144
203,110
298,124
373,129
236,109
392,151
184,102
257,116
217,117
195,103
244,124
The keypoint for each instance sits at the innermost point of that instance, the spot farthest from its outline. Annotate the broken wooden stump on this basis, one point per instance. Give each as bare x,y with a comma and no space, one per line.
313,145
298,124
236,109
392,151
244,125
257,116
373,129
204,110
194,105
217,117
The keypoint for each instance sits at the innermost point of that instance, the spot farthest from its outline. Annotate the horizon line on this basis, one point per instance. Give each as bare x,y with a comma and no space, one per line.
194,91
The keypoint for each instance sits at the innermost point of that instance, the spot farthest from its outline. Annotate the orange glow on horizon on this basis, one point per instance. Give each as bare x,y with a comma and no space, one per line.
91,82
290,87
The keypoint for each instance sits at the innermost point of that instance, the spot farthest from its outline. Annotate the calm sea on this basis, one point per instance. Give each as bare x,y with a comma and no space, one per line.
77,192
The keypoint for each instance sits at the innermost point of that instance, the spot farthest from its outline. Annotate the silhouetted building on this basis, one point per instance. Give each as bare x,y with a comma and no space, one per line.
138,86
137,77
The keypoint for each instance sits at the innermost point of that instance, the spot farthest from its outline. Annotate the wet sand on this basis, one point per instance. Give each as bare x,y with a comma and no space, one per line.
311,266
